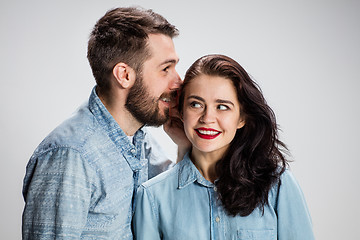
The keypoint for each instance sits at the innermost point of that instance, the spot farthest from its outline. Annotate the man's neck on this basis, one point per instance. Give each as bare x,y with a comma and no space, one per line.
122,116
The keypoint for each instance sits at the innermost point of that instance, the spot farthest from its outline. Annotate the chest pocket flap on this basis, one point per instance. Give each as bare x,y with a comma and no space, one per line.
256,235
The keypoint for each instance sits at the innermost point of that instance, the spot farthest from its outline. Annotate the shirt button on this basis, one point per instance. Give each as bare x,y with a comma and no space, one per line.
133,151
215,189
217,219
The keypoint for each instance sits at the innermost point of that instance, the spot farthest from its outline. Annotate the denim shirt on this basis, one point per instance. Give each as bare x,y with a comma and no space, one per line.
182,204
80,182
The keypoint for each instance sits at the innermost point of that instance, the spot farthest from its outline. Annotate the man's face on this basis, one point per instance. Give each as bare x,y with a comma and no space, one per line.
149,98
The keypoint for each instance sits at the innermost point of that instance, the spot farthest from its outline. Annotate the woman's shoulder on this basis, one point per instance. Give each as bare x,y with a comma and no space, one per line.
287,178
286,185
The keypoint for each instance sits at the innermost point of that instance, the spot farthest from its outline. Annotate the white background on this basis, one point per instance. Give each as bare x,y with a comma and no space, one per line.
304,54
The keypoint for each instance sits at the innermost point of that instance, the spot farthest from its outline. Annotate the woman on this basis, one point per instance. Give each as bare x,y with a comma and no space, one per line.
233,184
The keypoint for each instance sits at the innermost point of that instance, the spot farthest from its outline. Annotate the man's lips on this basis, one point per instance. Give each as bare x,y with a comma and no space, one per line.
165,99
168,97
207,133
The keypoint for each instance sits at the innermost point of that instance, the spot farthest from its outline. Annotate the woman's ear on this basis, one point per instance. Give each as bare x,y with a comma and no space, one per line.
124,75
241,123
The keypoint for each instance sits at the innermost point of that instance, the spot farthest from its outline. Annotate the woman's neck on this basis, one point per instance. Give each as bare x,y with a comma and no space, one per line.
205,163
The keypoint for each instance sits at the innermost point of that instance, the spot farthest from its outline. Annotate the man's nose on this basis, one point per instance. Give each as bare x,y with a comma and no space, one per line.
176,82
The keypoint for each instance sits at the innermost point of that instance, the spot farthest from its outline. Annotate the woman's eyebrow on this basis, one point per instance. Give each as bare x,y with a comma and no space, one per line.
217,100
224,101
196,97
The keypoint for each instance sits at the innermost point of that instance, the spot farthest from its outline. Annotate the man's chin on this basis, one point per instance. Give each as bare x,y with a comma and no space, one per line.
159,120
156,123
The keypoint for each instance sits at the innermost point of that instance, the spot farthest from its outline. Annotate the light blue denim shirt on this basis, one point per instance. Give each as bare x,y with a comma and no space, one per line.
80,181
181,204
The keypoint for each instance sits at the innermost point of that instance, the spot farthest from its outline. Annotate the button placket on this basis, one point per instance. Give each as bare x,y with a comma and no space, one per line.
216,223
133,151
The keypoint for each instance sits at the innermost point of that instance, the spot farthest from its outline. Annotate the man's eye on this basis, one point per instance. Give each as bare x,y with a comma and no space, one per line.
166,69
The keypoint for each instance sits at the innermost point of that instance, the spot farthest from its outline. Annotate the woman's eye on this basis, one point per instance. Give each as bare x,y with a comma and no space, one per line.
195,105
223,107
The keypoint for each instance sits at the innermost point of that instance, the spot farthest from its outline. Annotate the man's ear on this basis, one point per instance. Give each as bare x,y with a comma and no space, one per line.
124,75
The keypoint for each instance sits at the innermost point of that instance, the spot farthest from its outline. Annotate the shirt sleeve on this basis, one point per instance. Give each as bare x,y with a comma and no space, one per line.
57,195
145,220
294,221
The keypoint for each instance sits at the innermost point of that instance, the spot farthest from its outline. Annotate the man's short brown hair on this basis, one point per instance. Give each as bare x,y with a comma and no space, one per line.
121,36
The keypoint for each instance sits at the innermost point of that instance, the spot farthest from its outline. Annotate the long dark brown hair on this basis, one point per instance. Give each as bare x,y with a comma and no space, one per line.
255,158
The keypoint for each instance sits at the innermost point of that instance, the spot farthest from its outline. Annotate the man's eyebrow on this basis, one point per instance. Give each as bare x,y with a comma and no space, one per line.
172,61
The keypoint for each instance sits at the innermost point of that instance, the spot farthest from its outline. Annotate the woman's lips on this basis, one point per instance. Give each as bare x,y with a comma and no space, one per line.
207,133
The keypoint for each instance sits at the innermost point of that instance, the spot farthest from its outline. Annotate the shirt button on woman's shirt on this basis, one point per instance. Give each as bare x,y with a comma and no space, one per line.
215,189
217,219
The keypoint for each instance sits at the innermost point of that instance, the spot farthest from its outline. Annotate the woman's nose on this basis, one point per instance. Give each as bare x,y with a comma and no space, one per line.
208,116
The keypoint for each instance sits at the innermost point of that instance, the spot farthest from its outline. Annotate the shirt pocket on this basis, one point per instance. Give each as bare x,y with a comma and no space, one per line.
256,235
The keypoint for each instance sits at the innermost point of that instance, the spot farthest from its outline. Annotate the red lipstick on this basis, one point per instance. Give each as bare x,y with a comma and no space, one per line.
207,133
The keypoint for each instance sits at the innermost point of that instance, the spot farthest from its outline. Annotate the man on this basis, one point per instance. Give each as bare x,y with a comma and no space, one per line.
81,180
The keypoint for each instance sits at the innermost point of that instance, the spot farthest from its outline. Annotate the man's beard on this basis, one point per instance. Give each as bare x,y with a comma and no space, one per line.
144,107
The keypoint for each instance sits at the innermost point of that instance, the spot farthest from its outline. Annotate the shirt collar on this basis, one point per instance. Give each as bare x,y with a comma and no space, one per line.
188,173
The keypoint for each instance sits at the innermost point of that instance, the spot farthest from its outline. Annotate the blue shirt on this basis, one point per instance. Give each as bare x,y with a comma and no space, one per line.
80,181
182,204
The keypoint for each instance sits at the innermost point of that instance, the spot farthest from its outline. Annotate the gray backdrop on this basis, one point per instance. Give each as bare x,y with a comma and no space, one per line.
304,55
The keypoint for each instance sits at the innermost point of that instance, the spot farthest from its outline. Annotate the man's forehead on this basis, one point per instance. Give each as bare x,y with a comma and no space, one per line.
162,49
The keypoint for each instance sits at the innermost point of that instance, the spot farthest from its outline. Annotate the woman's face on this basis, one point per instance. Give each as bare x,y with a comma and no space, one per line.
211,113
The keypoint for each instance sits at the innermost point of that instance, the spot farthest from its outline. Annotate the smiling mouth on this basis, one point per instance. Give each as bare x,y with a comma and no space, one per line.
207,133
165,99
168,97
